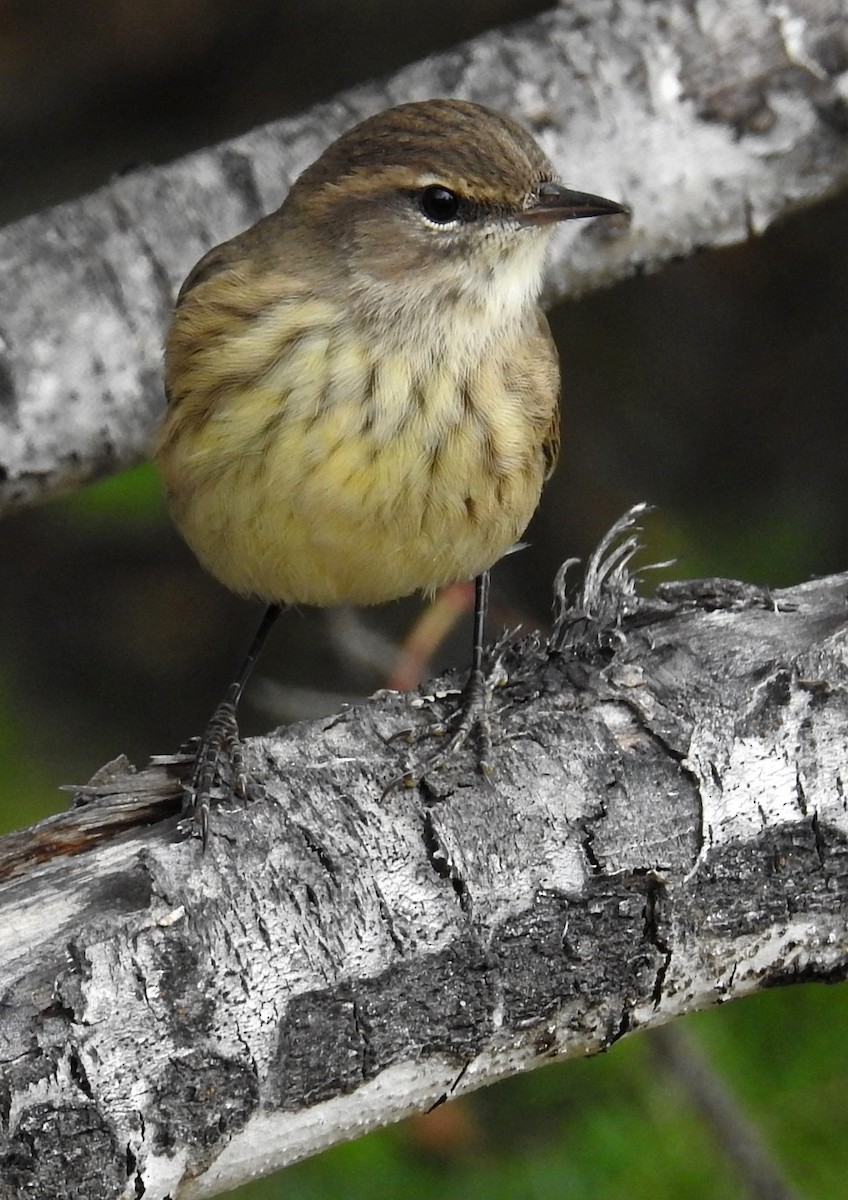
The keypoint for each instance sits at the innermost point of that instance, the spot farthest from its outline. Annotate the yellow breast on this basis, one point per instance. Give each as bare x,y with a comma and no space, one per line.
310,467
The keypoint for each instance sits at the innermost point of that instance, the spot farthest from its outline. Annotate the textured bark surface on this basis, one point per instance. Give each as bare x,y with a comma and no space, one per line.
666,828
709,119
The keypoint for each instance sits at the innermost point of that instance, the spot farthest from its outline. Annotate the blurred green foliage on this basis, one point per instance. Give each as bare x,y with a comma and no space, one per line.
134,496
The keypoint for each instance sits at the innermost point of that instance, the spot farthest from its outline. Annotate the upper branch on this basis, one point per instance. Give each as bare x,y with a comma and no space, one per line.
709,121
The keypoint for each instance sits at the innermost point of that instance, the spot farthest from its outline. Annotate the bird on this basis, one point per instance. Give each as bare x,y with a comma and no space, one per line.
362,389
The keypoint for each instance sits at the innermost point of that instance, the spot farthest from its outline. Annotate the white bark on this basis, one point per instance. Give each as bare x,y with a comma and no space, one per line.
710,119
667,827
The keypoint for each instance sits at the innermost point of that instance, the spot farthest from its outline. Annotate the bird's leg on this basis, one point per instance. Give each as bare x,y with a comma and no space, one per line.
472,713
220,750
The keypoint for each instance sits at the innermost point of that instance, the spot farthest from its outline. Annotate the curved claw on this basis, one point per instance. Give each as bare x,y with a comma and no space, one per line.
473,718
219,757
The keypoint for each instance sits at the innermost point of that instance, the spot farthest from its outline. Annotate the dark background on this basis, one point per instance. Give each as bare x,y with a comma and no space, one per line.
714,390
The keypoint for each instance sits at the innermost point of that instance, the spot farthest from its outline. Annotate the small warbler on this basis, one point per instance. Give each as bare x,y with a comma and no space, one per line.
362,388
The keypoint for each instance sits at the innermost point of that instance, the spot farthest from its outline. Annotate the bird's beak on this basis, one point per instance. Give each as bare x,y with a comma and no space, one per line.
553,202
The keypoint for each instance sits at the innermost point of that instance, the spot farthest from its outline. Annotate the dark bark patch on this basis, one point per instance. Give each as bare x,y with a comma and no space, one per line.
30,1169
202,1100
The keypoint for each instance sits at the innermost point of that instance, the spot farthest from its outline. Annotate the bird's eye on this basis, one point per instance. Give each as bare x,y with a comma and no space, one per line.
439,204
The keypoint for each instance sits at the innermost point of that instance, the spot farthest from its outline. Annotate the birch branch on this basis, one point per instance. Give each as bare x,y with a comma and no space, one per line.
667,828
710,120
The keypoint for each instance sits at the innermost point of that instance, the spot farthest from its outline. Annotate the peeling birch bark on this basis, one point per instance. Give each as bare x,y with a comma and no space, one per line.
667,828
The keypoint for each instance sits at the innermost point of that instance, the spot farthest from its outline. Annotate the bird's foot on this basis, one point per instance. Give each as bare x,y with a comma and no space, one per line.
470,719
219,761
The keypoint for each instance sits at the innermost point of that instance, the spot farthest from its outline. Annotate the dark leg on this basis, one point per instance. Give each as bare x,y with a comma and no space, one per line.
476,684
221,745
474,704
472,713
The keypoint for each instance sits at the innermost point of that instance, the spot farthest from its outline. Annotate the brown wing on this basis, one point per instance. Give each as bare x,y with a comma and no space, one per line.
244,255
550,446
548,353
256,244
